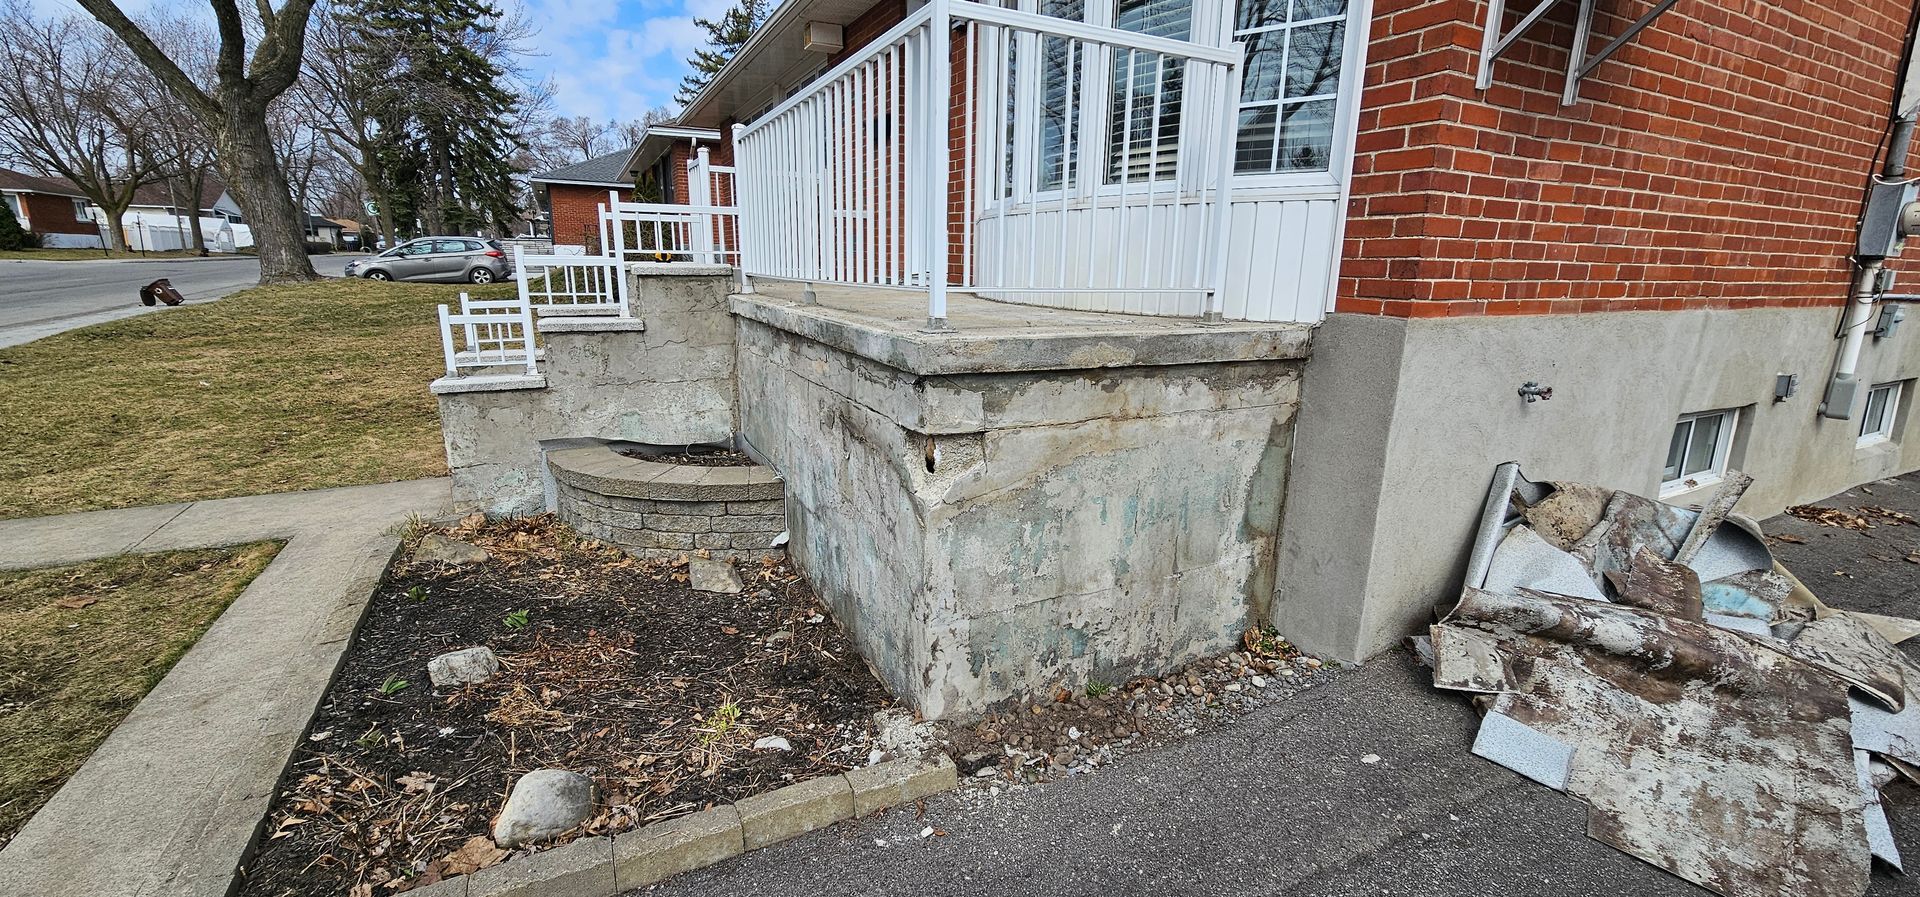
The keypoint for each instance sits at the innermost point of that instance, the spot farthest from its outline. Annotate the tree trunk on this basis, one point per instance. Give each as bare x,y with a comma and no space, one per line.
252,172
116,231
196,182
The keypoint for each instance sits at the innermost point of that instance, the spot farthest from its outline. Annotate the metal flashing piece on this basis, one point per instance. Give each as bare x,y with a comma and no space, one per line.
1733,731
1525,750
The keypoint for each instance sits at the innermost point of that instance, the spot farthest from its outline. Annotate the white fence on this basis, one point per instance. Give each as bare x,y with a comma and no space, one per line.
594,284
488,334
705,230
1055,142
168,233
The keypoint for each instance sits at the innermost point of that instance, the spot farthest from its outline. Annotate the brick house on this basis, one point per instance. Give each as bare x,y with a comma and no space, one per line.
55,211
571,196
1210,315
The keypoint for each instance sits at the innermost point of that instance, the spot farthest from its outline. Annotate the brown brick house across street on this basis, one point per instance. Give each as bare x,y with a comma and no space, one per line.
1086,333
50,208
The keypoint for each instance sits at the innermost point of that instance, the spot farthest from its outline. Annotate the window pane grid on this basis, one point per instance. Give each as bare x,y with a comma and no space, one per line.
1287,103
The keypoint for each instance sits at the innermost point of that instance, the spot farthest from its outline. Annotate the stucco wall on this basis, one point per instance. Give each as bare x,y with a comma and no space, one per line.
1402,422
988,536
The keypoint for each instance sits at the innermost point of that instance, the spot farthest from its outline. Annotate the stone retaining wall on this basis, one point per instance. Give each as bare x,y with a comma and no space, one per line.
656,510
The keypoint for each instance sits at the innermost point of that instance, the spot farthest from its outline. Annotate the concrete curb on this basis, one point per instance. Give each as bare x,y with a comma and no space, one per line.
603,866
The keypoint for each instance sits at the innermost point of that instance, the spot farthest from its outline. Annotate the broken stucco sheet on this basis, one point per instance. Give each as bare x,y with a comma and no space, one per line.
1718,720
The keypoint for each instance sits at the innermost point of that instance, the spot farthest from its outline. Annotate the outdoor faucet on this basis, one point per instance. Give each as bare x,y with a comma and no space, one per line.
1531,390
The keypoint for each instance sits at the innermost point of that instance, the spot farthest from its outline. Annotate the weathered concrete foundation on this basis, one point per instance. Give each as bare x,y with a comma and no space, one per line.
1032,501
1403,421
664,377
664,511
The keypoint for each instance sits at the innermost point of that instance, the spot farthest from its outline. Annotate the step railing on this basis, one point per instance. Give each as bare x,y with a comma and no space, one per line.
1085,162
702,234
588,284
488,334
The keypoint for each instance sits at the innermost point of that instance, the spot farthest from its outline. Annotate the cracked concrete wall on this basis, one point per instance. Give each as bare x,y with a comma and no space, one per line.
669,384
1404,420
986,537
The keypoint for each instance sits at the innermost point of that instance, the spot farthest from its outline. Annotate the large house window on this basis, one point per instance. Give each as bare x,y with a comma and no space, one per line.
1292,78
1698,452
1144,135
13,205
1060,98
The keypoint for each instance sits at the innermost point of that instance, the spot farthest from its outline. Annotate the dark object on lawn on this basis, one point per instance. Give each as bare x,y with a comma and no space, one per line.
160,291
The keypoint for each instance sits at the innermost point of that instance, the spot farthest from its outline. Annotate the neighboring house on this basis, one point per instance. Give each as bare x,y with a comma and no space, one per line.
1040,396
321,229
51,209
348,233
570,197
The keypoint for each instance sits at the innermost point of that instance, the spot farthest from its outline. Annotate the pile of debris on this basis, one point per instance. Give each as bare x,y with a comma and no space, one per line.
1658,663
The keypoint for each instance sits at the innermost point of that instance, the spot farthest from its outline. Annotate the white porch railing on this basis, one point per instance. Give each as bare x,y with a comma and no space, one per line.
488,333
1071,161
660,232
594,284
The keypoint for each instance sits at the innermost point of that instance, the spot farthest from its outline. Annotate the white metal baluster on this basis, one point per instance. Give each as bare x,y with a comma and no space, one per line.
1211,311
939,93
1068,169
1126,166
446,343
1153,180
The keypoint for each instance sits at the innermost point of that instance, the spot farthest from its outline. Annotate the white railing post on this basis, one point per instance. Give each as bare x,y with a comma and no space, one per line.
1213,312
939,94
446,343
751,214
700,190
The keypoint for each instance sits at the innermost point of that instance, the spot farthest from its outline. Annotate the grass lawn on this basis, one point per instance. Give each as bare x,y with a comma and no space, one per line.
79,646
71,255
273,389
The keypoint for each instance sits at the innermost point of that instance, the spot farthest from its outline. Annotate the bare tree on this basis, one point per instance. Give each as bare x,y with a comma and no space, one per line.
73,110
179,137
234,107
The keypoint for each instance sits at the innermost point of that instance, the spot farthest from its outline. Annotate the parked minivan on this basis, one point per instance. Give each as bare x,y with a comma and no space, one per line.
439,260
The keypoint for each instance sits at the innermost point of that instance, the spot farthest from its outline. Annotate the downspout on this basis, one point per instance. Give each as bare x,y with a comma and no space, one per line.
1868,284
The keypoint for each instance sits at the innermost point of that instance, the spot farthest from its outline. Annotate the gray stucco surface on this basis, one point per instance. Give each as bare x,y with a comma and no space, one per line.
1403,421
984,535
667,384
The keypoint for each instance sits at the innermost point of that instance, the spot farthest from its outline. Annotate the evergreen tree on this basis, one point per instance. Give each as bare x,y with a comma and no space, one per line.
446,148
12,235
724,38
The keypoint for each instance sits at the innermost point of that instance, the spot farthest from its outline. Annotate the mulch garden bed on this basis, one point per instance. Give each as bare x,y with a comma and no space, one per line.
610,666
712,457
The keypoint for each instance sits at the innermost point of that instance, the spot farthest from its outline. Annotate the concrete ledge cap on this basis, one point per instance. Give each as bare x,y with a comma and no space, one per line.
452,386
574,311
1064,340
794,810
582,868
897,782
678,269
599,468
595,324
647,855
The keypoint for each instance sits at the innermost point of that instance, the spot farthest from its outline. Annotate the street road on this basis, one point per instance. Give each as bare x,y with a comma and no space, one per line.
42,298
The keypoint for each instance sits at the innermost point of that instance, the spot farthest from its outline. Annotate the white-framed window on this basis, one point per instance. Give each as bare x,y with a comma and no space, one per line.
1698,452
80,210
1290,90
1883,405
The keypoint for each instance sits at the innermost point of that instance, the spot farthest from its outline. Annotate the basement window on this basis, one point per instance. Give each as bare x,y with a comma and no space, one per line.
1697,454
1882,407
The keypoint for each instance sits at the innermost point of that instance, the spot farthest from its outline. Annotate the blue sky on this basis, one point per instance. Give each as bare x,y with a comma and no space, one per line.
615,60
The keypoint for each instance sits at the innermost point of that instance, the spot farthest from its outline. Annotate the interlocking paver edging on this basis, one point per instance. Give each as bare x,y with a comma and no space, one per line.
602,867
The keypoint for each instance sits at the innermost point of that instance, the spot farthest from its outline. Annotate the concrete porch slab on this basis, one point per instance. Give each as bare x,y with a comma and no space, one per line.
888,326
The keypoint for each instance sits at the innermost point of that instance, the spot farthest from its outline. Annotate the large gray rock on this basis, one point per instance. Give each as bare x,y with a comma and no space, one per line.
463,667
545,803
438,549
710,575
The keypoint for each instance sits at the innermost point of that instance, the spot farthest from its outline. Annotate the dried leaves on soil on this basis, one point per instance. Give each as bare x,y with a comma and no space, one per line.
618,671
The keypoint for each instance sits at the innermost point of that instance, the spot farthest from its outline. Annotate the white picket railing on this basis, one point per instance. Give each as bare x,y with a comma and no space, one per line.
595,284
488,333
662,232
1060,147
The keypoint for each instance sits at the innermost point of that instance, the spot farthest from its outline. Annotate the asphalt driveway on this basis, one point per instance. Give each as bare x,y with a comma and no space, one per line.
42,298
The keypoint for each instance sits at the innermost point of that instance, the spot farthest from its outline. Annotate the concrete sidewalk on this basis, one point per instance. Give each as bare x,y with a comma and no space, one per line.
170,803
1280,801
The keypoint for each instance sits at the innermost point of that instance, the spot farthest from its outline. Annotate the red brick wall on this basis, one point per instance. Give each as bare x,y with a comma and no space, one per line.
1717,160
576,213
54,215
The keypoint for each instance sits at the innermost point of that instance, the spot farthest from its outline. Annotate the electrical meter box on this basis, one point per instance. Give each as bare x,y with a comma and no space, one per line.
1883,227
